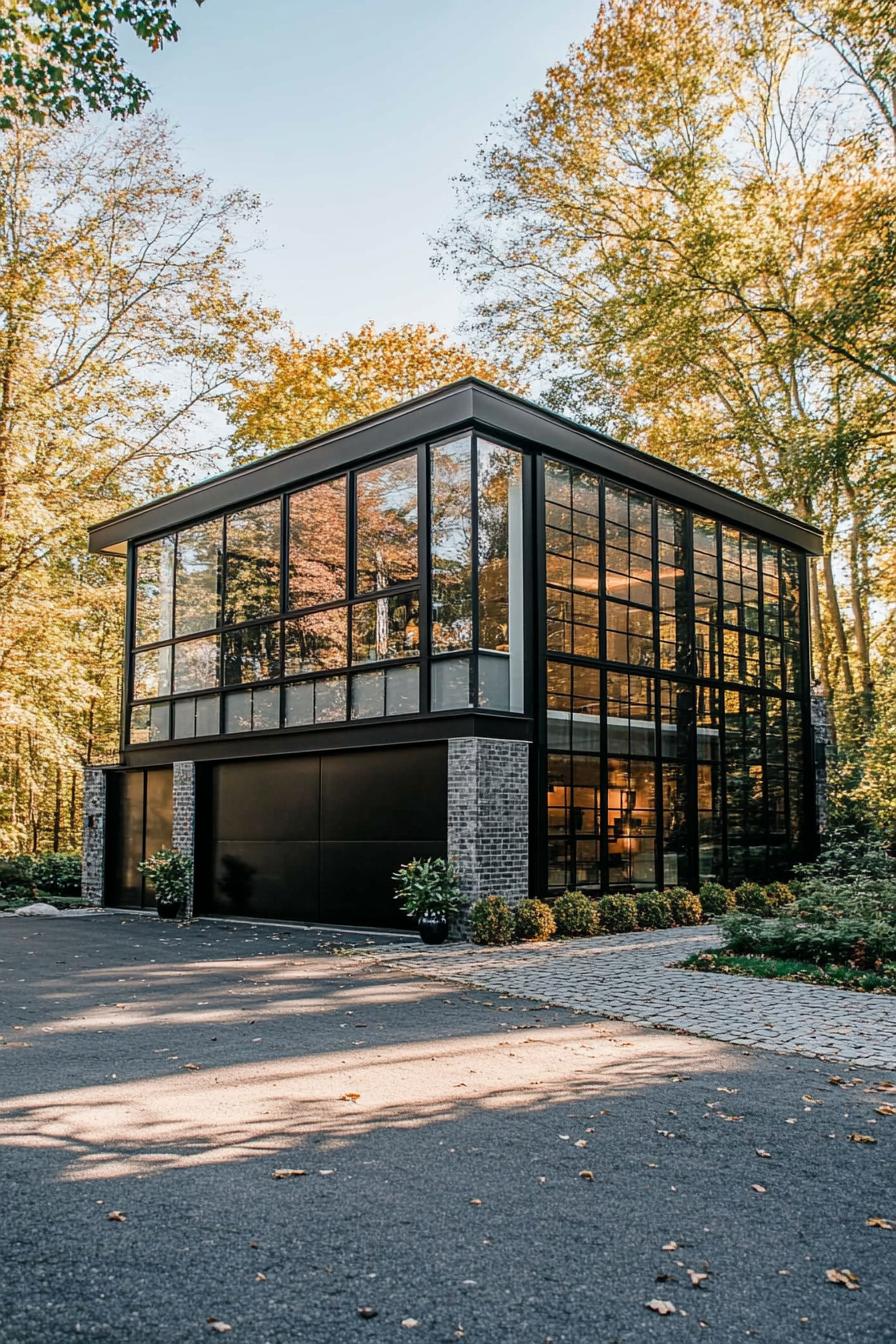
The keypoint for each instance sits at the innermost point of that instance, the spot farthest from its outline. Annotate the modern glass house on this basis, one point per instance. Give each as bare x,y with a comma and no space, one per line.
464,626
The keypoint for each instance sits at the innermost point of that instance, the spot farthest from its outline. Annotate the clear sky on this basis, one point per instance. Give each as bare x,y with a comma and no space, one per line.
349,118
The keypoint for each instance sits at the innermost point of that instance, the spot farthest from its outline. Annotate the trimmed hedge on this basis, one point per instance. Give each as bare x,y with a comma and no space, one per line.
534,921
618,914
576,915
716,899
492,922
654,910
686,907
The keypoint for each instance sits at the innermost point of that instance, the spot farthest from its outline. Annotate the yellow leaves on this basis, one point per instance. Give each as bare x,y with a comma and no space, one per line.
885,1109
350,1096
862,1138
586,1174
286,1173
882,1223
844,1278
661,1307
116,1216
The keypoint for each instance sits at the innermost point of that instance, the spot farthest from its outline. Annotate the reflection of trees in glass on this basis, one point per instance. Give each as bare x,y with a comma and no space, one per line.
452,546
154,591
198,577
387,525
389,627
499,480
316,641
196,664
252,654
317,544
253,563
152,673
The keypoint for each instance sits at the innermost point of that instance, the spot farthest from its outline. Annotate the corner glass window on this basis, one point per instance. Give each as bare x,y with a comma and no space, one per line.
252,563
386,502
252,711
451,544
450,683
252,653
198,578
500,577
154,591
152,674
317,544
149,723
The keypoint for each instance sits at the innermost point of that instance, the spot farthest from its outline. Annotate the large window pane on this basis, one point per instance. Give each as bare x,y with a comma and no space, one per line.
196,664
316,641
386,499
385,628
198,577
500,545
152,673
402,690
450,688
452,545
154,591
252,563
252,653
317,544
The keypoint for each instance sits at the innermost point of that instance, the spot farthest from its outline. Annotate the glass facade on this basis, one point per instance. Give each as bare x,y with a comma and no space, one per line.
675,708
655,655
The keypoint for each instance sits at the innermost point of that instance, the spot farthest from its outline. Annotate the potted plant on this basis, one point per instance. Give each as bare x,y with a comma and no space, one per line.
430,893
171,874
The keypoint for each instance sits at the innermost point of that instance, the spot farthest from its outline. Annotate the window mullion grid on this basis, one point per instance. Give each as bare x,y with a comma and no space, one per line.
762,692
474,568
658,773
424,579
604,737
721,699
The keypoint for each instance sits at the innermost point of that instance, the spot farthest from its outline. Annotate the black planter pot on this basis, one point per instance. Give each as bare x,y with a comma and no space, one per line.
433,928
167,909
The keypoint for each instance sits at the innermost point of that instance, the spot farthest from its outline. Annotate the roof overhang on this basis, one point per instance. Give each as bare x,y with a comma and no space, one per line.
469,402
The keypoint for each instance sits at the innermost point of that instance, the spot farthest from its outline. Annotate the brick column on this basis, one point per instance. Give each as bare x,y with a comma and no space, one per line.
93,850
183,819
488,816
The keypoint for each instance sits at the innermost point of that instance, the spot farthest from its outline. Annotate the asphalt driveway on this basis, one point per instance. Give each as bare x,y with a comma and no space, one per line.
163,1075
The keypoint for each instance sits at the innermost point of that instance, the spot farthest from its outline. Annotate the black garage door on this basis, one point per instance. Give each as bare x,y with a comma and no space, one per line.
139,823
318,837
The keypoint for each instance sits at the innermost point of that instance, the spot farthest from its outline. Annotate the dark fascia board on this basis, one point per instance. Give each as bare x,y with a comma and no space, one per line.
469,402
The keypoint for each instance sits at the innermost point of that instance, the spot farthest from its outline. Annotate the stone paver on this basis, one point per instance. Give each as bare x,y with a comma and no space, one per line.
632,977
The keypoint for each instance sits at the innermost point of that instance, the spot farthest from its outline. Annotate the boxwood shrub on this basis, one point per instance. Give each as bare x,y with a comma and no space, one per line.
654,910
686,907
618,914
716,899
491,921
576,915
534,921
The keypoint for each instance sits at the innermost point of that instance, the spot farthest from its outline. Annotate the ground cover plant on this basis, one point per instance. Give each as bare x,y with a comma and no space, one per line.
781,968
52,878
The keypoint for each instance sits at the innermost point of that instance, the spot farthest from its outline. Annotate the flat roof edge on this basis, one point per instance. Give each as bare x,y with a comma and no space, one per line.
433,414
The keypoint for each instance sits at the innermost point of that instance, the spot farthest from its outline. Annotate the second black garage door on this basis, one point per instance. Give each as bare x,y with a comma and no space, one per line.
318,837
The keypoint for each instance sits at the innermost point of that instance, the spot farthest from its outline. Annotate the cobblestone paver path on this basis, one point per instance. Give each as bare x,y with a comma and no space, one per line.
632,977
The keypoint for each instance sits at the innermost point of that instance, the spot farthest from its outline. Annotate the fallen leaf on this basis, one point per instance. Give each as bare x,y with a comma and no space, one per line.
581,1143
807,1096
261,1278
367,1313
409,1322
660,1307
191,1066
886,1109
881,1222
350,1096
862,1138
696,1277
760,1189
760,1152
116,1217
220,1327
844,1277
283,1173
671,1246
587,1175
327,1171
836,1081
476,1202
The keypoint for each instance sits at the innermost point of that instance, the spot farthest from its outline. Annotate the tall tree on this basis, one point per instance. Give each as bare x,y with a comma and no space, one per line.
312,386
60,58
123,321
690,233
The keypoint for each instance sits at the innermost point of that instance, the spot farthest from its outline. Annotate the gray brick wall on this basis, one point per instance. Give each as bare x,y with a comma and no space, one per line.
183,818
93,850
488,816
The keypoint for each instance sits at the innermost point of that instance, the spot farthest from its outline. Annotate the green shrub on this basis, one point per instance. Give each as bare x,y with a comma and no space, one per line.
716,899
618,914
750,899
576,915
686,907
428,887
777,895
534,921
16,876
866,944
491,921
171,873
853,878
654,910
57,874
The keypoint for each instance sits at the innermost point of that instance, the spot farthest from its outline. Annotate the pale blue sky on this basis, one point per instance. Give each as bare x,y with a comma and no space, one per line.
350,119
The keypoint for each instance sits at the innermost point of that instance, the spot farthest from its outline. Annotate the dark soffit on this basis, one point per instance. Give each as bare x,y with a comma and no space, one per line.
435,414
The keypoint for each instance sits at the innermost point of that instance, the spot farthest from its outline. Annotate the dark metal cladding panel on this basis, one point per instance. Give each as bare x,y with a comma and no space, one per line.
356,880
267,879
399,793
270,799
